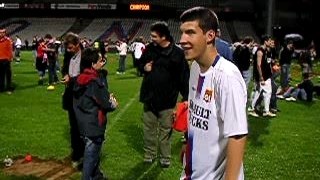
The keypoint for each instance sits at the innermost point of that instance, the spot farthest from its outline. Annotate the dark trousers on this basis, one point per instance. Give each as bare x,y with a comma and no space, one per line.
5,75
122,63
77,143
52,72
273,99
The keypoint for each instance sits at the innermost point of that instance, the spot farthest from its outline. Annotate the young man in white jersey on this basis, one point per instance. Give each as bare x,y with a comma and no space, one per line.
217,117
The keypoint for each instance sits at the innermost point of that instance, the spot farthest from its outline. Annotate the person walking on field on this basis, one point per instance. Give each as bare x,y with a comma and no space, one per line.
6,56
166,74
262,75
17,46
217,120
122,47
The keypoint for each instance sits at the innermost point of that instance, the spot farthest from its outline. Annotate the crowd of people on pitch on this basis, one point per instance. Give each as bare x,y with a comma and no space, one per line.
268,64
211,75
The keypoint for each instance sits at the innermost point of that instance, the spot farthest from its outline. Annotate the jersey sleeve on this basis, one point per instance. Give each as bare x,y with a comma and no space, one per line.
233,105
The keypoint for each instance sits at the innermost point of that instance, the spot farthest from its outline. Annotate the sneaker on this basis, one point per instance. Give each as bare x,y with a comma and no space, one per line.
274,111
269,114
280,97
77,164
50,88
254,114
164,163
250,109
148,160
118,72
291,99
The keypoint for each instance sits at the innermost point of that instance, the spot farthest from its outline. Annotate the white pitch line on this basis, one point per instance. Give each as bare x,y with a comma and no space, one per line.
147,171
118,116
122,111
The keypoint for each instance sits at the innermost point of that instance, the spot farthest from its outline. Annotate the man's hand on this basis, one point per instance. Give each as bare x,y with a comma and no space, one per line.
113,100
182,152
65,79
148,66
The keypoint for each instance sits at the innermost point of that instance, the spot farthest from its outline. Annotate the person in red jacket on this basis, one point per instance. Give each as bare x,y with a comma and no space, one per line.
41,61
6,55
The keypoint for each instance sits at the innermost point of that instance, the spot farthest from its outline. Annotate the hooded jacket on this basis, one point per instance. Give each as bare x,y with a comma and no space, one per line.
91,103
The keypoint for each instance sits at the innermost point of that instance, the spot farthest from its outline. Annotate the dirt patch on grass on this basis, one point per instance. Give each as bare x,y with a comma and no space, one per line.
44,169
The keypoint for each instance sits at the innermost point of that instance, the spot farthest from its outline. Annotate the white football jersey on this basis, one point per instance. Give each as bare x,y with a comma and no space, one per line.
217,110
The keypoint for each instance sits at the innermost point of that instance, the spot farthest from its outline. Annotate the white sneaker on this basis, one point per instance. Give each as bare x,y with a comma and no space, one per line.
280,97
270,114
250,109
291,99
254,114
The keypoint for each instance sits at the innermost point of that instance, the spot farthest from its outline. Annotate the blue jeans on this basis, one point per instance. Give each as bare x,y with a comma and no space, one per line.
91,161
285,75
296,93
247,76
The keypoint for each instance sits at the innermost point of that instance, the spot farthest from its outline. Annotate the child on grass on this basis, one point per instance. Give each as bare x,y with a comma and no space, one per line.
91,102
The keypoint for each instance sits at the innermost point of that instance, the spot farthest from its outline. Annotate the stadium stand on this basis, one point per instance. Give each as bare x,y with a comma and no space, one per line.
238,18
244,28
38,26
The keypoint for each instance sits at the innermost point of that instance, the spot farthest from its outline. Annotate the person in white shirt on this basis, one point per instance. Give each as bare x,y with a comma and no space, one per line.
217,120
17,50
138,48
122,47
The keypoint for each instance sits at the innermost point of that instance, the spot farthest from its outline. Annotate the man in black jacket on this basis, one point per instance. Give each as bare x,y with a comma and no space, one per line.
70,71
166,73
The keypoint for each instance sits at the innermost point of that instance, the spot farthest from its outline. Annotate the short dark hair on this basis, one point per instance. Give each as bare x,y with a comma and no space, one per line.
207,18
265,37
48,36
290,42
162,29
89,56
248,39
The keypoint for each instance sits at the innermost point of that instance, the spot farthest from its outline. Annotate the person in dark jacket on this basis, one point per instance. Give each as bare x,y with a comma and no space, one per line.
242,58
302,90
70,71
91,102
285,62
166,73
